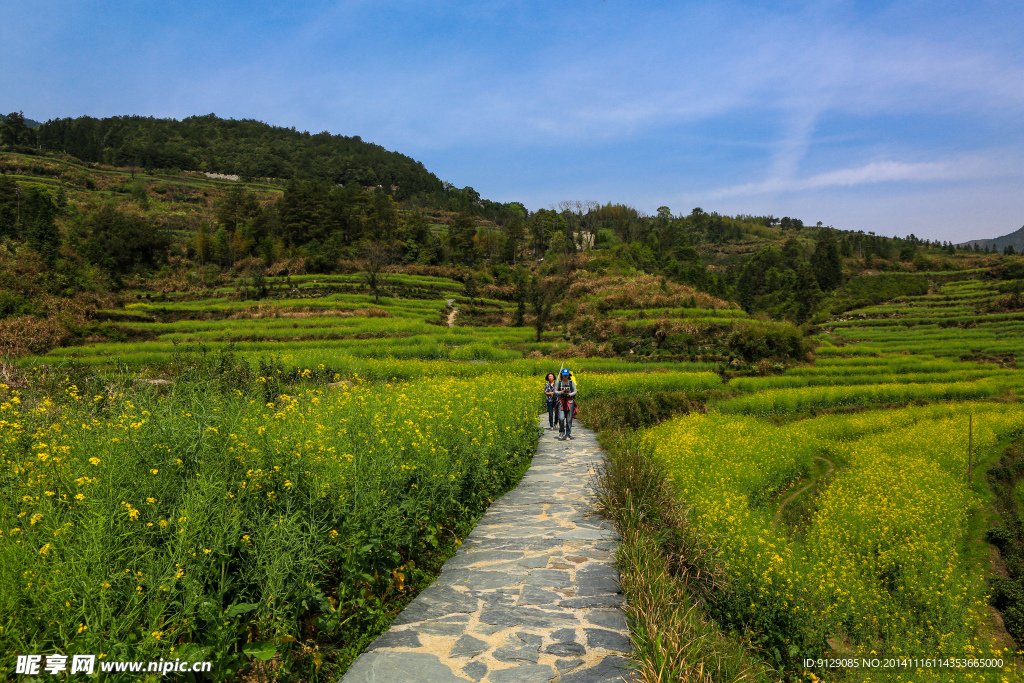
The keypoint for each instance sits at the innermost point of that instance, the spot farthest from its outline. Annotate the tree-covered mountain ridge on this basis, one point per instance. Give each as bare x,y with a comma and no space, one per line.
1015,239
85,237
244,147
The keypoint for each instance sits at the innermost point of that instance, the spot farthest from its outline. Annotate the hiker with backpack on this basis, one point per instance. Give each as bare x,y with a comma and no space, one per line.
565,390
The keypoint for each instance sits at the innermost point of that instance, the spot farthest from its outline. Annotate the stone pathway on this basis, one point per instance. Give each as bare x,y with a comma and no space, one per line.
530,597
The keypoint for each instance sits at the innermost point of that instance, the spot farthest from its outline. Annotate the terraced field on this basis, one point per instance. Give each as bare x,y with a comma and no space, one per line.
963,320
248,499
246,512
324,313
331,322
848,498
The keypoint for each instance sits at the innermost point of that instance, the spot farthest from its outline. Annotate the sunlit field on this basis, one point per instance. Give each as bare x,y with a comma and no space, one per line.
136,522
838,493
249,511
877,562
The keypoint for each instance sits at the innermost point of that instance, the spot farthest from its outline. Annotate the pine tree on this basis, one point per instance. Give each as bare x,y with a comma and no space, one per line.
202,244
461,239
827,264
38,214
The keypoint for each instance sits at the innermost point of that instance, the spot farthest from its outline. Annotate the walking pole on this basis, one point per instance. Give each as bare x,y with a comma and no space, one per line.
558,411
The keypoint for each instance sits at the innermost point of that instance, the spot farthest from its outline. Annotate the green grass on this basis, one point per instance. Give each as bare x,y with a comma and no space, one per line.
799,400
753,384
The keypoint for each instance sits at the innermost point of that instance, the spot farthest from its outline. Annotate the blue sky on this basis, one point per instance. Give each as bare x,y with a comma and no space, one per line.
892,117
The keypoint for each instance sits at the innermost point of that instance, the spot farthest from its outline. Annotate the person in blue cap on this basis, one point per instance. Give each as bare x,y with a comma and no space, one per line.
565,390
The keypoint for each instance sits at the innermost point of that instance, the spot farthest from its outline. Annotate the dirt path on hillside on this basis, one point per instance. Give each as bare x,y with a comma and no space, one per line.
451,313
790,498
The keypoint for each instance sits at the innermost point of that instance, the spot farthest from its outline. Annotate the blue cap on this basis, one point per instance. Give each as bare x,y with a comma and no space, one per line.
566,372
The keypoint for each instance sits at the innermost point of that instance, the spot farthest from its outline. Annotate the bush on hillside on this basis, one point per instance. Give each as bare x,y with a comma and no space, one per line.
768,340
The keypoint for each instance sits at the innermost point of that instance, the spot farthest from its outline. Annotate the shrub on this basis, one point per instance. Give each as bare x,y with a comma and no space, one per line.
14,304
768,340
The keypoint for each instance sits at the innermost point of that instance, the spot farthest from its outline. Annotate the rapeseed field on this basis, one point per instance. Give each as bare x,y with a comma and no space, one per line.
141,525
877,565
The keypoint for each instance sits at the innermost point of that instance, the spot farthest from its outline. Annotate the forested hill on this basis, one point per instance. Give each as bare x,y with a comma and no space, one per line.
29,123
246,148
1015,239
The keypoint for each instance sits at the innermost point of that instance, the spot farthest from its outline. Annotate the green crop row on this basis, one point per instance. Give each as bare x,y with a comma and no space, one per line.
799,400
222,304
895,361
898,365
753,384
917,322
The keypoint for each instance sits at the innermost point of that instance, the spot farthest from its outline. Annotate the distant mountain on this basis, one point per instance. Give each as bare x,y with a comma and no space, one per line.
28,122
244,147
1015,238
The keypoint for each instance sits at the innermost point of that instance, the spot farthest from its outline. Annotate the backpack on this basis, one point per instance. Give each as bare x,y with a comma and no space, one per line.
576,398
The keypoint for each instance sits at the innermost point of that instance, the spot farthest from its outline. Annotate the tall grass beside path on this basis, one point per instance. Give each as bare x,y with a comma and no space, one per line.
594,385
668,572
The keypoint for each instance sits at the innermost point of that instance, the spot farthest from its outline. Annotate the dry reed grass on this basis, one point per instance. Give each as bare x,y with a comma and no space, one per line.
56,323
26,334
641,291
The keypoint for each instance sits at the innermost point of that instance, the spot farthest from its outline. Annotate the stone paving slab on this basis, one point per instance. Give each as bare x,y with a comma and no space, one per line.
530,597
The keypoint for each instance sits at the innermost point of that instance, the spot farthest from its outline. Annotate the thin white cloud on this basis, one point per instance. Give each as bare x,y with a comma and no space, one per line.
877,171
